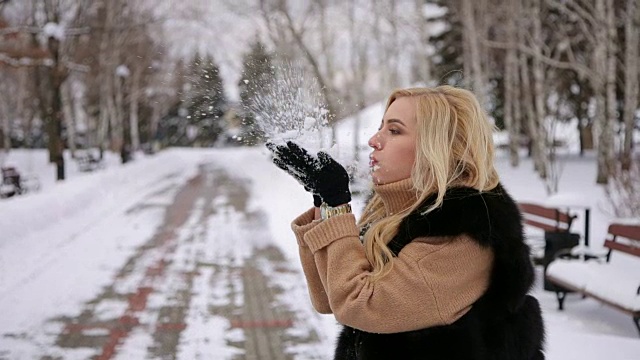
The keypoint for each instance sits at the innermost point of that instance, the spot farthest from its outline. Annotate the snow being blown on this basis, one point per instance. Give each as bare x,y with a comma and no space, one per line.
291,108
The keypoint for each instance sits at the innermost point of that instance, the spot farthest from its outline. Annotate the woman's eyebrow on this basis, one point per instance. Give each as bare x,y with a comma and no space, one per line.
397,121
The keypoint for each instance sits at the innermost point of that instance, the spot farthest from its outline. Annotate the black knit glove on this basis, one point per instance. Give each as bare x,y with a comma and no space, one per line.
321,176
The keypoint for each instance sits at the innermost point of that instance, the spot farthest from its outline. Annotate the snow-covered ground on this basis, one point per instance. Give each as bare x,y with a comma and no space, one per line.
64,243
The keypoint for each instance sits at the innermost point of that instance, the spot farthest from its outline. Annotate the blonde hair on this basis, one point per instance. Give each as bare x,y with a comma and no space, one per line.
454,147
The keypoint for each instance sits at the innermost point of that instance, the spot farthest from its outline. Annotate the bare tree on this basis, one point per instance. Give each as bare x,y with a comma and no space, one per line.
511,84
606,147
473,56
59,24
359,66
297,30
632,38
18,58
326,37
537,126
422,71
597,19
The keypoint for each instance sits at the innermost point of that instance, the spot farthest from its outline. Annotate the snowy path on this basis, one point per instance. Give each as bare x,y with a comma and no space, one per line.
207,283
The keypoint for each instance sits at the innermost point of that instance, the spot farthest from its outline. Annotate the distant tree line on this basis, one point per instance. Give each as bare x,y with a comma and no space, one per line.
80,74
536,62
532,63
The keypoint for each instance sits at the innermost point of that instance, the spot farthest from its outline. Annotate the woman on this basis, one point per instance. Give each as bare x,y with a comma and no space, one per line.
436,268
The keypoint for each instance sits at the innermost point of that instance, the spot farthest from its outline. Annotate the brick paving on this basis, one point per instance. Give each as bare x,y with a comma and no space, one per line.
153,293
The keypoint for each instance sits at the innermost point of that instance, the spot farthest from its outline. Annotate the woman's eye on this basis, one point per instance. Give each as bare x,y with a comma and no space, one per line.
394,131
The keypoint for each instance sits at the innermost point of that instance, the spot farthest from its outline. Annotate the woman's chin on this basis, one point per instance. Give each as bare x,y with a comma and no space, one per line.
376,179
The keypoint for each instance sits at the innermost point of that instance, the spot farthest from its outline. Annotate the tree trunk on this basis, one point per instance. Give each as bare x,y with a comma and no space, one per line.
511,123
600,82
5,131
379,44
69,117
394,52
118,131
153,126
423,73
473,46
22,99
540,143
612,50
325,40
133,109
631,78
80,117
106,70
51,97
353,57
527,104
359,68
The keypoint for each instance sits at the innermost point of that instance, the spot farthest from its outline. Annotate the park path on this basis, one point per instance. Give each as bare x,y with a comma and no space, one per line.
204,286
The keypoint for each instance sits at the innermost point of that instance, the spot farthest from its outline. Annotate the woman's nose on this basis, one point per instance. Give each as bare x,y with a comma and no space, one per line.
374,141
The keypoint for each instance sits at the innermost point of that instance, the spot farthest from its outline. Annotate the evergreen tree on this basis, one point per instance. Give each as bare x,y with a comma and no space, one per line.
206,102
447,63
448,67
257,76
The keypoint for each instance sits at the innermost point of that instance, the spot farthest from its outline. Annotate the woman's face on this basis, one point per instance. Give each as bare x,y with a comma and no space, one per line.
394,145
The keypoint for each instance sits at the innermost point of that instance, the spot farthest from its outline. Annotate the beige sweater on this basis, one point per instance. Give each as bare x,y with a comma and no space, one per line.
434,281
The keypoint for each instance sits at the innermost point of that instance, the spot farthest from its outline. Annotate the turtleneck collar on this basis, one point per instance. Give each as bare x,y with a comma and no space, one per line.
397,196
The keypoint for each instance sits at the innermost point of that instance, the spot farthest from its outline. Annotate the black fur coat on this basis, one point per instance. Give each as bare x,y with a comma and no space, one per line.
504,324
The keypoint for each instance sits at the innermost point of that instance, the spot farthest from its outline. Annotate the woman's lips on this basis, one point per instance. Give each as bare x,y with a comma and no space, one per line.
373,164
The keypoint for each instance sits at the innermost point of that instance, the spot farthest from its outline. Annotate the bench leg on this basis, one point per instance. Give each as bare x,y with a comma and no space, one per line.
561,295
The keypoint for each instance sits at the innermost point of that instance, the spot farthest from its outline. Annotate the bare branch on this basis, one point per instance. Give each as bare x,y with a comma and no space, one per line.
77,67
580,69
577,10
324,86
77,31
581,16
22,62
20,29
587,5
38,30
268,21
587,14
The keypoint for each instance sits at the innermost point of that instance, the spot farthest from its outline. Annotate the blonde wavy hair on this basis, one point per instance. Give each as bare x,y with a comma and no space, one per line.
454,147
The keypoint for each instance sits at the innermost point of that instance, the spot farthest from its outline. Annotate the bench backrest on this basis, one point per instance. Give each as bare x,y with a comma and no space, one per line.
545,218
10,176
629,232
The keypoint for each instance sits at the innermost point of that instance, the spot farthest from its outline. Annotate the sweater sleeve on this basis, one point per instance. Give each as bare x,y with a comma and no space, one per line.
432,281
300,226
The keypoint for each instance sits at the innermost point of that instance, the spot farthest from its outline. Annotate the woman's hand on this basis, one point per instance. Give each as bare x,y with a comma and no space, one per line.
322,176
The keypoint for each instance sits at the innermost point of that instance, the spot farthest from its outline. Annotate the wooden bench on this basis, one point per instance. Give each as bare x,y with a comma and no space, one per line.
546,218
550,220
15,182
11,182
613,284
88,162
